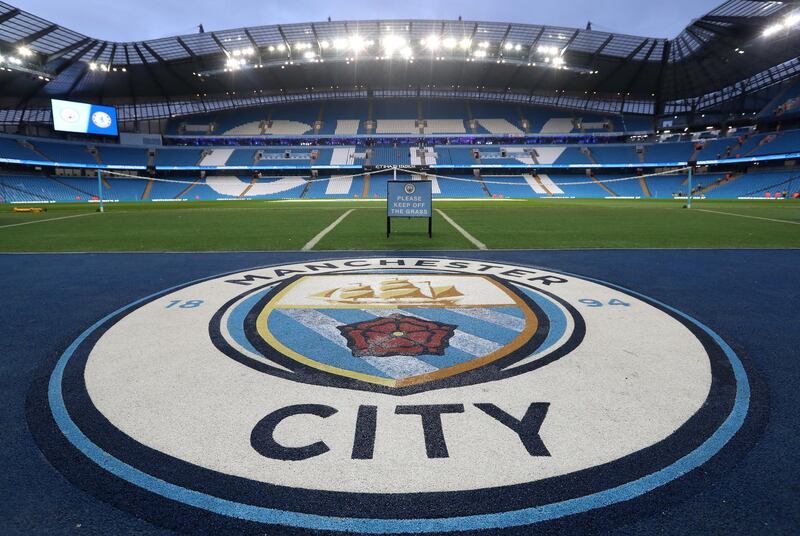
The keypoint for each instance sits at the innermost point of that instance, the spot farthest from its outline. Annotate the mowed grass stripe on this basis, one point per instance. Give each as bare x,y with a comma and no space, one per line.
366,230
278,226
621,224
142,227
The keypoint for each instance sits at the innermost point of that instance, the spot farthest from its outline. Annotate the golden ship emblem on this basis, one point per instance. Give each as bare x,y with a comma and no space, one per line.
396,291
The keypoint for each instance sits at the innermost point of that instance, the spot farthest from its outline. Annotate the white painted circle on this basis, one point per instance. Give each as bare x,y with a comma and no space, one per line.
638,375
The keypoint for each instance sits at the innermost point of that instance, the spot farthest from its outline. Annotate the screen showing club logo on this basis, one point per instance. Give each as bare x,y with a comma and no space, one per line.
84,118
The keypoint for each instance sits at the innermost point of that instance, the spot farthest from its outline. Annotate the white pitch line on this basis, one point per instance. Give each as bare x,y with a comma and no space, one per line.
746,216
478,244
48,219
313,242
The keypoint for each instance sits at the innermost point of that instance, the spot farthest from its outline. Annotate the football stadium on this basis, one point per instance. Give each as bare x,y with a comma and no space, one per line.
440,272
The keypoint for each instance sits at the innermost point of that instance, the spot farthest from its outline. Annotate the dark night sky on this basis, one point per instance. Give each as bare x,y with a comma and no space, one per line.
136,20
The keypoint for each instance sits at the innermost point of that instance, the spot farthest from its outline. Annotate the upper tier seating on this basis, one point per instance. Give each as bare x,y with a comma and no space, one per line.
396,126
281,127
498,118
11,149
177,157
669,152
785,103
784,142
445,126
122,156
65,152
344,118
346,127
500,127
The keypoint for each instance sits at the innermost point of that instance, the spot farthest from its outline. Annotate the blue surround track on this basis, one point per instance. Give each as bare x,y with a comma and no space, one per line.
748,297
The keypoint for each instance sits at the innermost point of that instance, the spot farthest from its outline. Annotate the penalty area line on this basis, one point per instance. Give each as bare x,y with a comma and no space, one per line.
48,219
747,216
477,243
314,241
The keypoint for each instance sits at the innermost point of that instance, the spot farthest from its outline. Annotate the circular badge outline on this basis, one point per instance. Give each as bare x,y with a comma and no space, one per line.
101,115
65,431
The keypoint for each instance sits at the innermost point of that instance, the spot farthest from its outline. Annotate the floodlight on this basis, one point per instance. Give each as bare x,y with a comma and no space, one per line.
309,54
770,30
449,42
357,43
391,43
24,51
432,42
508,46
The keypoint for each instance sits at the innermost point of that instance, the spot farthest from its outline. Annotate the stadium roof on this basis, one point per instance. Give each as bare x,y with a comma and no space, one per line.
735,46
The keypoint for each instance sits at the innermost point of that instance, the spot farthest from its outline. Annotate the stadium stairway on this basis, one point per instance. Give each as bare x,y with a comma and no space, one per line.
64,183
536,185
95,153
147,190
549,185
645,187
186,190
602,185
484,186
305,190
365,191
588,154
248,187
716,184
31,147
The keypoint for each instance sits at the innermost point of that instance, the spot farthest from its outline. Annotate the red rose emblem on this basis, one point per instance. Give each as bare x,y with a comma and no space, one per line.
397,335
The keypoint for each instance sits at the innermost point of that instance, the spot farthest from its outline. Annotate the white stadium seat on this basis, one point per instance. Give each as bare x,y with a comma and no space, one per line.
500,126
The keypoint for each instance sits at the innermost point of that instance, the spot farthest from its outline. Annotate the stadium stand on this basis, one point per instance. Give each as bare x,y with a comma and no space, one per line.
18,149
668,152
177,157
122,156
391,156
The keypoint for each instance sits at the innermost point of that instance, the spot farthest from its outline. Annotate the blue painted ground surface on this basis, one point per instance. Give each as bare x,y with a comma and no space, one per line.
751,298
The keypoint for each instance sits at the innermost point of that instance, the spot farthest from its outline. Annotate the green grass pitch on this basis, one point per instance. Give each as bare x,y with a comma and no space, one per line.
508,224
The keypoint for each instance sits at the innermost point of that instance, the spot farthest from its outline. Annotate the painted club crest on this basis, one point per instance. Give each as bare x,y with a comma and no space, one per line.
296,394
393,330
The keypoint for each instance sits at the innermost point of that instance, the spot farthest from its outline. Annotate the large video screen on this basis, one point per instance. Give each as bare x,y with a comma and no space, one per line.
84,118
